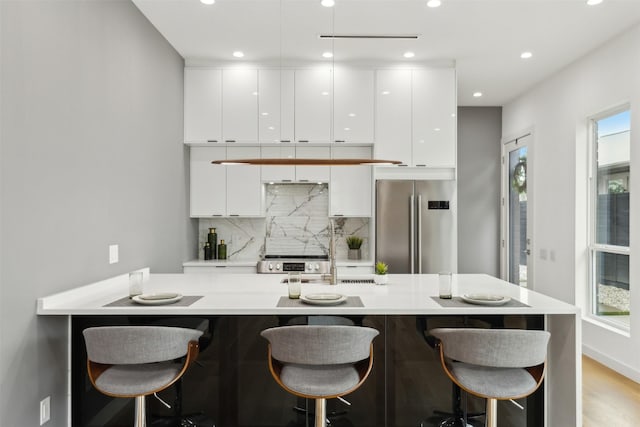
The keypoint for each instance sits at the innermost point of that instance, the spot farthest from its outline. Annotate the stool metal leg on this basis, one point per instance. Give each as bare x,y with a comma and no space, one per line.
492,413
141,416
321,409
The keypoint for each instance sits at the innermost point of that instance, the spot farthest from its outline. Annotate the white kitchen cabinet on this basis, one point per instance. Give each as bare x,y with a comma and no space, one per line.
354,270
240,105
393,115
313,100
278,173
353,105
350,186
202,105
208,184
244,186
275,106
434,118
219,269
313,173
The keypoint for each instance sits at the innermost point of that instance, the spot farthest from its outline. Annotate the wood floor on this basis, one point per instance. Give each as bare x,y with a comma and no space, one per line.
608,398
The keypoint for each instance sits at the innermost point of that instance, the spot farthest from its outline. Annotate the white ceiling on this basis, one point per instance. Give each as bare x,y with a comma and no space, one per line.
484,37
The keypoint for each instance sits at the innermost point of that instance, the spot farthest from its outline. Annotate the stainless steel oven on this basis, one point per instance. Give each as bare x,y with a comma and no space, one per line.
276,264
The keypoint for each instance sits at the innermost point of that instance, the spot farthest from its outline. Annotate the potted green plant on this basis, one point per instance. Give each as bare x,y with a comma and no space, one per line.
381,278
354,243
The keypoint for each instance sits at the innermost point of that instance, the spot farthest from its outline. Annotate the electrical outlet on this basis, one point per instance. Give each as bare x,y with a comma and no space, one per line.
113,254
45,410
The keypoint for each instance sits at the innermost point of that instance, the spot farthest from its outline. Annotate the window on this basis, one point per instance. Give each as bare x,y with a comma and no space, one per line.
609,218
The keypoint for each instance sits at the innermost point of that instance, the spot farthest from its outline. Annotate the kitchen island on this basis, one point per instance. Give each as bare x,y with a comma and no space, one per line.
238,306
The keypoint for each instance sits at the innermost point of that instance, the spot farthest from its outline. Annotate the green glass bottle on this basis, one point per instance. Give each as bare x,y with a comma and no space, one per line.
212,238
222,250
207,251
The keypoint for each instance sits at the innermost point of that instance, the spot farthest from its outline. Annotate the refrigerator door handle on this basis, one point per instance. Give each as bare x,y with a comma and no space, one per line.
412,243
419,236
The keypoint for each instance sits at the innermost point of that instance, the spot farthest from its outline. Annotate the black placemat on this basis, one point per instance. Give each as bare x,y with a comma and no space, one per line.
186,301
459,302
287,302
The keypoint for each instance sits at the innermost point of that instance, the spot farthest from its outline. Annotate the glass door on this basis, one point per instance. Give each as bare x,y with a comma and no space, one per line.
516,241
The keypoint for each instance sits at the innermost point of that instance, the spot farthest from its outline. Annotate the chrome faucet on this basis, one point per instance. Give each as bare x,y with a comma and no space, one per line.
333,270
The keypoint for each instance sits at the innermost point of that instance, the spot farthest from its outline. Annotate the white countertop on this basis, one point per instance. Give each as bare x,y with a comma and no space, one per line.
258,294
250,263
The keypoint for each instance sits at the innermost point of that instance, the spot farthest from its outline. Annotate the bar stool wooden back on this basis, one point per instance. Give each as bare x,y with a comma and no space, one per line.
136,361
320,361
495,364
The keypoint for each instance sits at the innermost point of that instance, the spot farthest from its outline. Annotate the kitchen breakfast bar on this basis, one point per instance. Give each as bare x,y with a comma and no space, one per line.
231,385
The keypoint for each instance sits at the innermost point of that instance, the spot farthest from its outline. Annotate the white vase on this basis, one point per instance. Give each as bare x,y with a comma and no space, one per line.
380,279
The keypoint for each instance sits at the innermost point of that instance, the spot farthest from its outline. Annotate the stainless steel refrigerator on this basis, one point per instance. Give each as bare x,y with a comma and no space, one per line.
416,226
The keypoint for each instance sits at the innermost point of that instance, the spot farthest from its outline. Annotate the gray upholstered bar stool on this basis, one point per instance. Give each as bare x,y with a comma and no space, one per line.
136,361
320,362
495,364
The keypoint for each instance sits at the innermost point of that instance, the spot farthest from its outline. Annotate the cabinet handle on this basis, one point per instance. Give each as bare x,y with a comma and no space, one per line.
285,140
234,215
403,165
221,266
339,140
421,166
229,140
216,215
212,140
338,214
303,140
304,180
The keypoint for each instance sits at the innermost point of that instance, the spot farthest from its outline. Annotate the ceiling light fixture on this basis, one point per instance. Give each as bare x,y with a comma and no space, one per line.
207,2
238,54
526,55
306,162
434,3
593,2
328,3
409,54
327,55
477,94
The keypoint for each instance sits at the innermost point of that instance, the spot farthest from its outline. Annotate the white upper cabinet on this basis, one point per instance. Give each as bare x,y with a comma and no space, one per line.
208,185
275,106
202,105
313,100
434,117
278,173
313,173
393,115
353,105
350,186
240,105
244,187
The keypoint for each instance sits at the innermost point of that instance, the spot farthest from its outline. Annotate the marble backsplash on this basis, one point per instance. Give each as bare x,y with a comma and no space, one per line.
296,223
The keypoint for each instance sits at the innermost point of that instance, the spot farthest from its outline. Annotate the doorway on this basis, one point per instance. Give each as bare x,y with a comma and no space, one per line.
516,208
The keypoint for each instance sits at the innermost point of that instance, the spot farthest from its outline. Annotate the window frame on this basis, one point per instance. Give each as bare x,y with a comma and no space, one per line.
594,248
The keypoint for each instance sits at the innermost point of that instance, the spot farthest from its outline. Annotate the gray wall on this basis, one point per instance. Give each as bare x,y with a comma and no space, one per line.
479,133
91,155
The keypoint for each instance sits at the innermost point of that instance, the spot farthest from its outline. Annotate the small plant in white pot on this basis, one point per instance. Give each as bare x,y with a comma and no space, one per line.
354,243
381,278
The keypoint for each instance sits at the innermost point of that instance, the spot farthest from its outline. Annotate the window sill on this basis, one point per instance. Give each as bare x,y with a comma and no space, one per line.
609,326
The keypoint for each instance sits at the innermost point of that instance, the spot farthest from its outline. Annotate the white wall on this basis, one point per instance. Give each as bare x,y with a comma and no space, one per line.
557,110
91,155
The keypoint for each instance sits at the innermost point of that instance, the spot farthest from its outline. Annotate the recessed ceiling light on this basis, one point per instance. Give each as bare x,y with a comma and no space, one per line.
327,55
409,54
434,3
453,114
385,92
207,1
593,2
265,113
328,3
238,54
271,128
436,129
477,94
352,114
347,129
325,93
255,94
526,55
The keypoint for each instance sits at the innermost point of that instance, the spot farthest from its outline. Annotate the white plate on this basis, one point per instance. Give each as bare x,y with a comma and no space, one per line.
485,299
323,299
157,298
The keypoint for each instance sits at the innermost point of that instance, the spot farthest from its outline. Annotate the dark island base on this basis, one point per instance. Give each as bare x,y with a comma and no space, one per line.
231,384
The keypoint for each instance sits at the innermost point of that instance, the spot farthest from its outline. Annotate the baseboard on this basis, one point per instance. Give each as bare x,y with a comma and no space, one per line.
610,363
